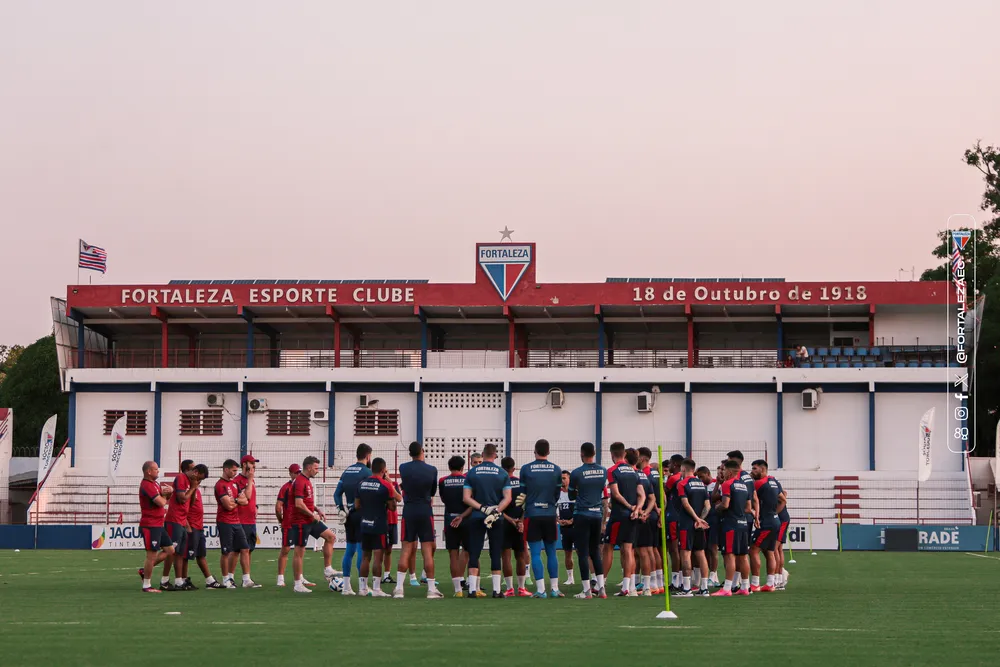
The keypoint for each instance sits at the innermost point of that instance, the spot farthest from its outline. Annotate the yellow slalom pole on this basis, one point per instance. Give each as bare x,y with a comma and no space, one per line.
989,527
810,518
663,537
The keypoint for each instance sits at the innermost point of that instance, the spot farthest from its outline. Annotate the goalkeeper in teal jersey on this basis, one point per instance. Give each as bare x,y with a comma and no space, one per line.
487,492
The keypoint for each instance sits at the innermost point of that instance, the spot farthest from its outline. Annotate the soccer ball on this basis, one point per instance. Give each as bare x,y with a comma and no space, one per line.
337,584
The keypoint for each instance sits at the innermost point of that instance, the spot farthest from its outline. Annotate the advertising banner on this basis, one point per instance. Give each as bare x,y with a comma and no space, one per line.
128,536
823,535
930,538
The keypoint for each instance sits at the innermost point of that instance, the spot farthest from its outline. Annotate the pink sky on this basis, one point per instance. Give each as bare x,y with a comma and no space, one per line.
809,140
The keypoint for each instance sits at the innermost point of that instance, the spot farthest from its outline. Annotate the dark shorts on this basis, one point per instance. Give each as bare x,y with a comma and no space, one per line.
456,538
620,532
392,535
766,537
541,529
154,538
195,545
513,539
178,536
690,538
783,532
299,535
418,528
232,538
352,529
250,530
566,533
712,539
374,541
672,530
284,535
477,538
735,540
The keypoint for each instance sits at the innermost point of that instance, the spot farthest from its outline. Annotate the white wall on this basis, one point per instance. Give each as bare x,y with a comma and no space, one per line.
391,448
565,428
665,425
723,422
210,450
280,451
460,422
897,419
91,443
834,436
902,325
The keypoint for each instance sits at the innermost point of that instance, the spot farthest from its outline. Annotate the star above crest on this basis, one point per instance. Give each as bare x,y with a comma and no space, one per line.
505,234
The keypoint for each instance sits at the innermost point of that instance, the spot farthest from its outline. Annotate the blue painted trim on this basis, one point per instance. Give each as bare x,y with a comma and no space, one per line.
871,430
462,386
913,387
734,387
71,426
250,341
636,387
420,416
244,413
598,423
423,342
197,387
285,387
540,388
602,342
331,431
110,388
828,387
688,423
375,387
81,344
781,429
157,424
508,426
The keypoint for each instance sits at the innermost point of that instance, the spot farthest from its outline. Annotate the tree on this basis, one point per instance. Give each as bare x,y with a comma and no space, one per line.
32,390
8,357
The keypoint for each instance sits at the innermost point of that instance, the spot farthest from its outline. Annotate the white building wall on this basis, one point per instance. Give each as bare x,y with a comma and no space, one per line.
92,445
897,420
834,436
210,450
566,428
458,423
392,448
665,425
901,325
274,451
723,422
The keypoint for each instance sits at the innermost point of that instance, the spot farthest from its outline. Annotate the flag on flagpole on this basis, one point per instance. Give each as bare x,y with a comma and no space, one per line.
117,446
45,445
92,257
4,425
924,465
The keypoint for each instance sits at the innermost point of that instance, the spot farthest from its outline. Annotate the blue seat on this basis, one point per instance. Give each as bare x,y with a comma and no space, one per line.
926,364
876,351
869,364
913,364
862,351
811,351
844,364
834,351
857,364
822,352
831,364
849,351
805,364
939,364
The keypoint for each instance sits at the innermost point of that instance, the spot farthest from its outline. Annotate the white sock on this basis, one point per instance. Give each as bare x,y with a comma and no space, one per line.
376,583
423,574
658,574
210,580
635,580
647,582
714,576
754,581
146,583
281,580
696,577
627,584
770,580
736,579
510,582
496,583
728,586
586,585
164,580
431,584
246,578
687,583
363,585
554,583
570,580
400,578
744,585
540,584
520,581
300,582
455,581
178,581
473,583
413,577
600,581
704,583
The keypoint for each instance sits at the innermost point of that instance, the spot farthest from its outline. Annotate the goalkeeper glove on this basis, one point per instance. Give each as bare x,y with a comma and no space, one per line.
519,501
492,515
342,515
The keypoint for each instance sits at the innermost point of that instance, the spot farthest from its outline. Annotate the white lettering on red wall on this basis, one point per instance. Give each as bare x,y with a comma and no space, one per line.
276,296
747,293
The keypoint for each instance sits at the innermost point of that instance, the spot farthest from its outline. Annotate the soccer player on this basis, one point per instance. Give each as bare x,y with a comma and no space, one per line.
487,492
565,507
541,482
418,480
513,536
196,539
456,534
712,536
692,525
652,471
283,511
734,508
306,521
644,531
475,459
371,501
178,529
232,539
247,485
626,501
673,468
152,506
586,486
353,475
766,528
747,479
392,534
784,518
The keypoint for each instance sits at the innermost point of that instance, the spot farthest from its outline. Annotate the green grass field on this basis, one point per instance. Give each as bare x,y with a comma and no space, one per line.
85,608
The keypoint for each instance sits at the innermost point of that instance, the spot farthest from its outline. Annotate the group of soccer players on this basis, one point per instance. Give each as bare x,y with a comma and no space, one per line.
515,514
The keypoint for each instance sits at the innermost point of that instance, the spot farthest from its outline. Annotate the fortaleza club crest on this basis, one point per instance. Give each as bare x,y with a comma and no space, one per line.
505,264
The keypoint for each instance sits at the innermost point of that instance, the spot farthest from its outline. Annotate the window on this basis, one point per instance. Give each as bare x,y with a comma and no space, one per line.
135,422
288,422
201,422
376,422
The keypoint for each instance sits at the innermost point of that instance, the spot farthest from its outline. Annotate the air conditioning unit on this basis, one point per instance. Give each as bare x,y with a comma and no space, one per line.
215,400
557,398
810,399
363,401
319,416
644,401
258,405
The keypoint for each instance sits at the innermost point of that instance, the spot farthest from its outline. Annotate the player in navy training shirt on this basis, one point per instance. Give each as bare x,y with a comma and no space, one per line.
343,496
765,535
784,518
419,482
734,508
586,486
692,526
673,476
541,481
565,507
747,479
644,532
652,472
712,535
513,537
627,498
487,492
456,526
371,501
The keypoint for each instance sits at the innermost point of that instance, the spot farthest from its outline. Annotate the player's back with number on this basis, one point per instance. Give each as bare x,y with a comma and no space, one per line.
372,495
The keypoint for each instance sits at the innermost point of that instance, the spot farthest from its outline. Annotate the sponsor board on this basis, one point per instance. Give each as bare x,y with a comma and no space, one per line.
817,536
929,538
128,536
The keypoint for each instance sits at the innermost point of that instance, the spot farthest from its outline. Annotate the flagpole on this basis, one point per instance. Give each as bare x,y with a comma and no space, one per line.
79,244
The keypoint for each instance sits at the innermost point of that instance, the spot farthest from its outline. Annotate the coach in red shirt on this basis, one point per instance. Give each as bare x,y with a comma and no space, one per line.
152,506
246,484
232,540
